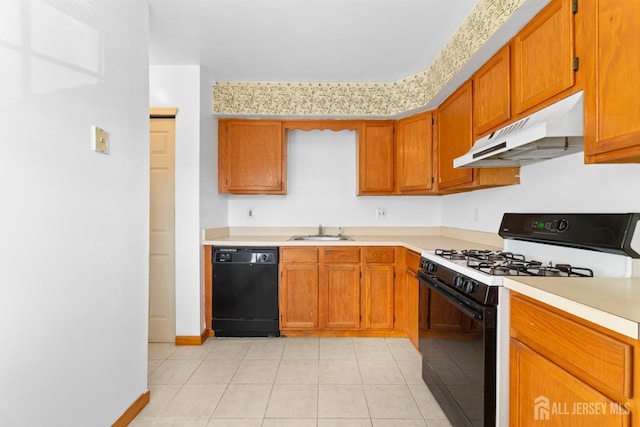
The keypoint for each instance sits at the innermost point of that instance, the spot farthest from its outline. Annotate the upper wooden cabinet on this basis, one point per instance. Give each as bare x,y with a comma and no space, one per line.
403,164
612,101
492,92
375,157
414,154
455,137
543,56
251,157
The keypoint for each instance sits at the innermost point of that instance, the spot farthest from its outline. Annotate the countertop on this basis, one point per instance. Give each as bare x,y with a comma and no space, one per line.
609,302
416,239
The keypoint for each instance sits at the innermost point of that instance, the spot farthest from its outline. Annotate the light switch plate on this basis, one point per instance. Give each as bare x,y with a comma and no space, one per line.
99,140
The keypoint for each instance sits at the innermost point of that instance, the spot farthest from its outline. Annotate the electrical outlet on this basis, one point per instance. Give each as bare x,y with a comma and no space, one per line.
381,213
251,213
99,140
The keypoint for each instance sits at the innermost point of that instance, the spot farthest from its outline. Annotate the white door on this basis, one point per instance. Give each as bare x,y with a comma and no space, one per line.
162,317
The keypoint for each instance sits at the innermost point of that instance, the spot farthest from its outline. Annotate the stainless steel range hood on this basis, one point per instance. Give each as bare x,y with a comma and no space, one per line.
554,131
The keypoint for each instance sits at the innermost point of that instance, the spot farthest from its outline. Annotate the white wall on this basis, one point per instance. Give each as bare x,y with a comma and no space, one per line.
564,184
322,190
73,222
197,203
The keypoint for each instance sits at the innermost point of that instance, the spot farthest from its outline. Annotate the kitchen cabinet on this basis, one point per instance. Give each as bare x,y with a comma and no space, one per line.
299,297
455,137
251,157
612,104
414,154
400,165
340,288
375,157
563,366
492,92
412,286
378,289
319,288
543,56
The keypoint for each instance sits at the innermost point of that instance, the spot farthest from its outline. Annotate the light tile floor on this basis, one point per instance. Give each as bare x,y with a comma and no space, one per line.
289,382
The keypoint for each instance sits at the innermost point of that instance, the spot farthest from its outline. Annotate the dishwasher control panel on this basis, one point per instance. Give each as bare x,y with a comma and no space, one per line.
245,255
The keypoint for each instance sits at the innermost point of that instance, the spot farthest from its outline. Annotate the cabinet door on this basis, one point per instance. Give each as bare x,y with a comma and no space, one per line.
251,157
378,296
612,104
412,284
542,393
375,158
412,292
299,308
414,154
543,54
454,137
492,92
340,296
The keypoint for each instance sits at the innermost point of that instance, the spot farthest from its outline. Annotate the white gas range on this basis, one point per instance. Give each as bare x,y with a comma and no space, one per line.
468,371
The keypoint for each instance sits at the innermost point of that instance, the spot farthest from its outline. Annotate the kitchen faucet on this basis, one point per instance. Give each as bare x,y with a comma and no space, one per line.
320,230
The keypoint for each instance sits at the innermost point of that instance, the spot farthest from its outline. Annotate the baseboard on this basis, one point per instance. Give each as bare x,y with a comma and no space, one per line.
133,410
192,340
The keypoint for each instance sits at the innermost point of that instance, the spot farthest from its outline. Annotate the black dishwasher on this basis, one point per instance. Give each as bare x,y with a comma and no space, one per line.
245,292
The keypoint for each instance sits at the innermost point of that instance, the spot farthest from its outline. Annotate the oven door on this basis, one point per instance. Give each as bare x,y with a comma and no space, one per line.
459,359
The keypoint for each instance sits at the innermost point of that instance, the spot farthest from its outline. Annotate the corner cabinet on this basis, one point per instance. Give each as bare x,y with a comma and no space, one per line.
412,291
612,101
454,138
567,371
251,157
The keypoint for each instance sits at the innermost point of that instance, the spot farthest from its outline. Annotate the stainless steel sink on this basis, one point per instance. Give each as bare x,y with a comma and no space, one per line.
322,237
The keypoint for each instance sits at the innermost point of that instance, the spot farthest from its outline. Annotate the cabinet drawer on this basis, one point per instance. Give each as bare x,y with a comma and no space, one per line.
384,255
594,357
298,255
334,255
413,261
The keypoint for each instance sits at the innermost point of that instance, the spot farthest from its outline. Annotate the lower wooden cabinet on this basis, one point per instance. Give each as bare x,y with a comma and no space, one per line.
337,289
340,288
412,292
379,280
299,296
567,371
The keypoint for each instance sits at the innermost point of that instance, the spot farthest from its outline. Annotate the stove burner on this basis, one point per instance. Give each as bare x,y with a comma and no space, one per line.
498,263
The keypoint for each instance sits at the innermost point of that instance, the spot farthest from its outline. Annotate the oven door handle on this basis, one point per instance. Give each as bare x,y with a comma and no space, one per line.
465,306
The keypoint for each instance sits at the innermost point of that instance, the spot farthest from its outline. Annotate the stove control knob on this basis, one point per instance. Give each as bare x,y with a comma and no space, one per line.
469,285
458,281
562,226
432,267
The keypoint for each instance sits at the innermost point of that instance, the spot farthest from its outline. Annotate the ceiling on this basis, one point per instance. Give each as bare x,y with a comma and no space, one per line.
349,41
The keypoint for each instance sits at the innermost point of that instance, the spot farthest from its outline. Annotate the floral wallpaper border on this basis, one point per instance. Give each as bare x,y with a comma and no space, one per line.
367,99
